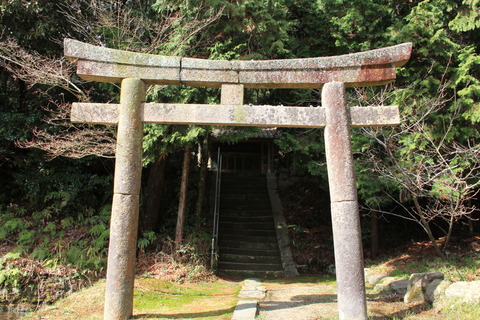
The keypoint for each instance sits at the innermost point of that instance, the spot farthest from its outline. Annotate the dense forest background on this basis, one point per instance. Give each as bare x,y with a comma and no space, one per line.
56,177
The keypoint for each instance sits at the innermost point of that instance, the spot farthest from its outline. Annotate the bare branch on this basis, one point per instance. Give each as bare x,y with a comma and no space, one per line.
118,24
69,140
34,69
436,169
75,144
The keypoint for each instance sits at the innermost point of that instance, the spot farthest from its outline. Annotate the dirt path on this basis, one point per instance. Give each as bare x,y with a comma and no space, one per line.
319,301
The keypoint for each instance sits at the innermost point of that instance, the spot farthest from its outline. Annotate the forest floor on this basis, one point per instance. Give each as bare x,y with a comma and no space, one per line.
153,299
290,299
168,289
304,297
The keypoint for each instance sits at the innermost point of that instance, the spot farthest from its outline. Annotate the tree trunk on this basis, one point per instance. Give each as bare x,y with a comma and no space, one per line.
427,228
374,234
153,194
449,234
202,181
183,198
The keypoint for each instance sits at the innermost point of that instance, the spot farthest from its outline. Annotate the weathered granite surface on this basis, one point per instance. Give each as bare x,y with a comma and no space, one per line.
367,68
281,228
236,115
126,202
392,285
418,284
464,291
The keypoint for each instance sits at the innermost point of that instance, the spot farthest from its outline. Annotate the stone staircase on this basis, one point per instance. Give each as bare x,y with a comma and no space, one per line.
247,238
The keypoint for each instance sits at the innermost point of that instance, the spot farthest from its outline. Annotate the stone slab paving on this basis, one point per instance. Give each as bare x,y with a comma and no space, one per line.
252,291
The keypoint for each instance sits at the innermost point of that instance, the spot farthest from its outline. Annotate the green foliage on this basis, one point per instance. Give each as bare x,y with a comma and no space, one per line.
306,149
10,226
41,252
97,230
186,22
164,139
41,235
75,256
306,19
468,16
252,30
146,239
62,197
26,237
359,25
9,276
467,81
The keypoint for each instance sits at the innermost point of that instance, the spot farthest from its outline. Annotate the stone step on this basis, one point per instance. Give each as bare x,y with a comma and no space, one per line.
246,232
246,225
251,273
248,245
249,252
226,257
245,206
241,194
249,266
244,202
234,218
244,196
245,238
230,180
248,213
248,188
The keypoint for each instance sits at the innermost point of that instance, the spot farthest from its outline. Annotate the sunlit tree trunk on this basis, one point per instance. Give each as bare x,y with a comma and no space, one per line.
182,203
202,181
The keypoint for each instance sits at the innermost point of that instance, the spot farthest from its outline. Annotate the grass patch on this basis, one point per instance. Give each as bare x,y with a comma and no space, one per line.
460,310
455,268
215,300
153,299
327,280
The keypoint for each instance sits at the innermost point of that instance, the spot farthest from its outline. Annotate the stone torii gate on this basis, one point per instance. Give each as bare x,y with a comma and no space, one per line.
135,71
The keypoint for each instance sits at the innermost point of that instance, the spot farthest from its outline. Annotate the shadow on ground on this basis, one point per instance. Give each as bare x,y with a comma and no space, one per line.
319,301
198,315
297,301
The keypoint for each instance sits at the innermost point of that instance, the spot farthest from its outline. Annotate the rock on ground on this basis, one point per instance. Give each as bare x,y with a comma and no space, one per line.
392,285
464,291
418,284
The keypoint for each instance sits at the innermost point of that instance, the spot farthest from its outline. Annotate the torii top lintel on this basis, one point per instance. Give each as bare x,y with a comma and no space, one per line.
368,68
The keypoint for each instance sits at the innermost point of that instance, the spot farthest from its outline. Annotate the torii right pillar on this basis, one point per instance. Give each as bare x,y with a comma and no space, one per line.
347,235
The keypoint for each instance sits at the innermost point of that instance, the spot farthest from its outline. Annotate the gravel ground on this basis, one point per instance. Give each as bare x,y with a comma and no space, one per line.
319,301
298,302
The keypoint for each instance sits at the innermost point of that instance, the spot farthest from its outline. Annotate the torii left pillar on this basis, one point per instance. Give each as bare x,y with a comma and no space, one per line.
126,201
